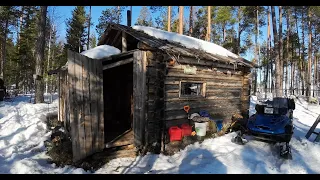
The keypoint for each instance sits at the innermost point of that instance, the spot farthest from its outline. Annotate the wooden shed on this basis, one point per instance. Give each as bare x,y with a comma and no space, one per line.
140,93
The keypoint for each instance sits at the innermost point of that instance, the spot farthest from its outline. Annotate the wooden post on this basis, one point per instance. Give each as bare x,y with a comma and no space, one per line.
139,88
124,42
180,19
169,18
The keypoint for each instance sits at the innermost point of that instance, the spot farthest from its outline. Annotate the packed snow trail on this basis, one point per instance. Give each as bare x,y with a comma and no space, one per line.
23,130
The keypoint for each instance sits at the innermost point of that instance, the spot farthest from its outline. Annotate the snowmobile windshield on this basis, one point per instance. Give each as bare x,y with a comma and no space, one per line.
277,105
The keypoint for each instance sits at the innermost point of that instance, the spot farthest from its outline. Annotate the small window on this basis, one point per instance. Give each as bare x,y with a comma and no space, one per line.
192,89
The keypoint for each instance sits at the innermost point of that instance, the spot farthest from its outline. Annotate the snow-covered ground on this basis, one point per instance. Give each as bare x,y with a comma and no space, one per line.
23,130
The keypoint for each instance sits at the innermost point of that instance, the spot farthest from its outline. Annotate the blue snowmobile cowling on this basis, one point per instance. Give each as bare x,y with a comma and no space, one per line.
272,121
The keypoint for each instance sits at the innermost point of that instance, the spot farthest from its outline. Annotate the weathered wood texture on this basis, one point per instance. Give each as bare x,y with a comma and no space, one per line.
226,91
63,114
139,97
155,96
85,87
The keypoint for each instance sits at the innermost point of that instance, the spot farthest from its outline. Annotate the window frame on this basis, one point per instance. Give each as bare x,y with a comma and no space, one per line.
203,91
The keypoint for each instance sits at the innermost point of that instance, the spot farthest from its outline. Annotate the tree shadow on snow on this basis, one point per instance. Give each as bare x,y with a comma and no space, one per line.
249,155
147,160
201,161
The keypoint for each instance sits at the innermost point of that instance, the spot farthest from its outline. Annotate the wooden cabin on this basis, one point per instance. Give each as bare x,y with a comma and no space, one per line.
138,94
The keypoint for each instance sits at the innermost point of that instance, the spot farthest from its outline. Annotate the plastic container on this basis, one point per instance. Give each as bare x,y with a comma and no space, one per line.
201,128
219,125
207,126
186,130
175,133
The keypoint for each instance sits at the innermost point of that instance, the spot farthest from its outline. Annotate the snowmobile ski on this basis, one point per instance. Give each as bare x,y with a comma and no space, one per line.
239,139
285,151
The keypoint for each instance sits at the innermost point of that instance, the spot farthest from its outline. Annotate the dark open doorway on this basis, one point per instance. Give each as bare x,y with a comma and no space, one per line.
118,88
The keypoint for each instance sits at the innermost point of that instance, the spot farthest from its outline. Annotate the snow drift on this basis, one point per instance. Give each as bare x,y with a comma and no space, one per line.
187,41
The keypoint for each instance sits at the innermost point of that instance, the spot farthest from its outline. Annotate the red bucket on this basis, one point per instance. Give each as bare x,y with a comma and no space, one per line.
175,133
186,130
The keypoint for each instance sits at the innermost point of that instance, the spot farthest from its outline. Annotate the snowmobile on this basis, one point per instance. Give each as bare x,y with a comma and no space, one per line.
272,122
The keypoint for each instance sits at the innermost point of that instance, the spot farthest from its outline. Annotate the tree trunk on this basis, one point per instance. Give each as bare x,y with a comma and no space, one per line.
4,44
191,21
89,22
224,33
289,54
268,56
256,53
118,14
303,71
209,24
17,79
309,74
40,55
315,73
287,47
276,51
48,64
181,19
169,18
239,30
298,63
280,50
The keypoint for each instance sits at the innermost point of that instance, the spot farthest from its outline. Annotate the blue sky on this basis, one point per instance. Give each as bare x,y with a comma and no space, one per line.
65,12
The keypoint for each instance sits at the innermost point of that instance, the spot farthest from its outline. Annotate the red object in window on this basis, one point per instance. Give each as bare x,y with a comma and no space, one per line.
186,130
175,133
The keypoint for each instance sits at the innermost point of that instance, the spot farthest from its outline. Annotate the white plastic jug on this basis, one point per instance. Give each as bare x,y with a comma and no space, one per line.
201,128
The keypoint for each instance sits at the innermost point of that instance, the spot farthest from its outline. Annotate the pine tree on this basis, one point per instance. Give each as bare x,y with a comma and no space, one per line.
110,15
93,40
76,30
26,48
8,15
144,18
224,18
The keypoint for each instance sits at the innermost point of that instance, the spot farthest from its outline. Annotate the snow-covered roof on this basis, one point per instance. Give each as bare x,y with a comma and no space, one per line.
187,41
101,51
173,44
98,52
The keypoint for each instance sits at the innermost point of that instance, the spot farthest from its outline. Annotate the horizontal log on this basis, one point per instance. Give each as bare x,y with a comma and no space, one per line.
173,87
208,83
169,95
116,64
225,112
189,60
223,94
180,74
205,104
200,98
207,69
169,79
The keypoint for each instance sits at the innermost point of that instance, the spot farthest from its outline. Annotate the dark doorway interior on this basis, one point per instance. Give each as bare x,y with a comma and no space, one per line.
118,88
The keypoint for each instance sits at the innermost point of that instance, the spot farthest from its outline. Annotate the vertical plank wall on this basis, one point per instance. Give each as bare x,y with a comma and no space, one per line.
85,105
139,88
